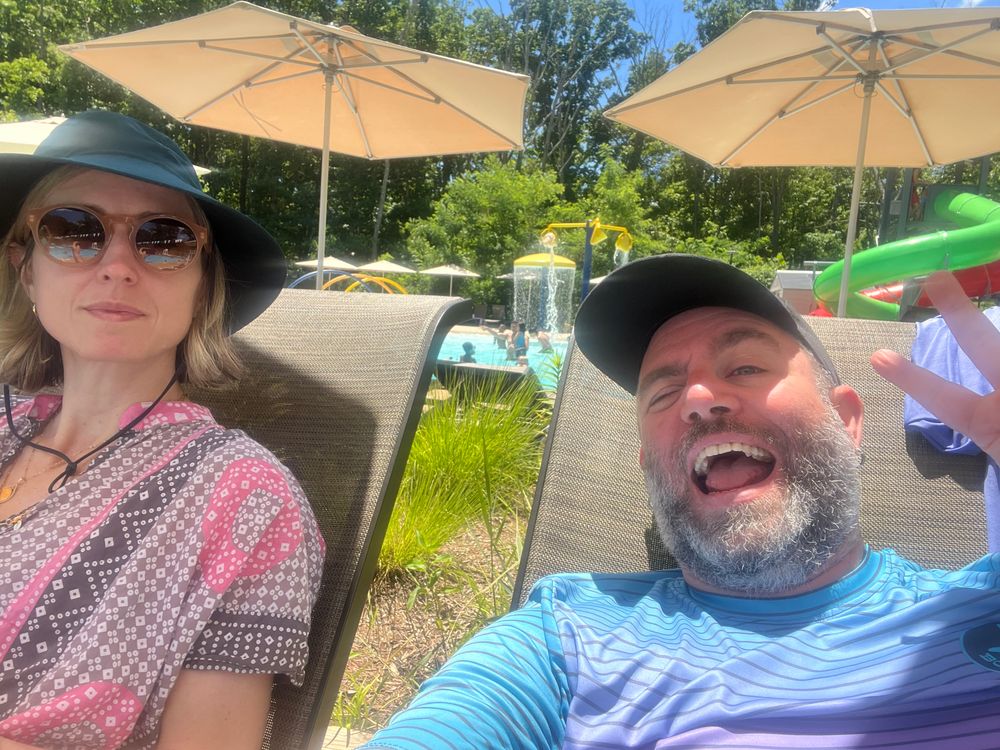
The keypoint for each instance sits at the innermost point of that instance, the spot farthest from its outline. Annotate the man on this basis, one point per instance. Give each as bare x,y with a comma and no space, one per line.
781,629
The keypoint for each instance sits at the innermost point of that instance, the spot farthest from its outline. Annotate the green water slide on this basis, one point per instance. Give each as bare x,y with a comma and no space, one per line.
975,243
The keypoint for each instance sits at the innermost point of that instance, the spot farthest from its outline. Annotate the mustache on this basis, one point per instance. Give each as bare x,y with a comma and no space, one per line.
775,439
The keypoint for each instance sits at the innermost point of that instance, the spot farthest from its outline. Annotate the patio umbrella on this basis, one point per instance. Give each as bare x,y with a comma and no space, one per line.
385,266
330,263
256,71
451,271
23,137
855,87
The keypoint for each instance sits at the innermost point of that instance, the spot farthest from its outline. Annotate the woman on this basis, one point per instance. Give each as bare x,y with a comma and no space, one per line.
157,570
518,346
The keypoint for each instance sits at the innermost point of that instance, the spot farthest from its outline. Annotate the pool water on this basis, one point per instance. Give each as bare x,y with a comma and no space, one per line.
488,353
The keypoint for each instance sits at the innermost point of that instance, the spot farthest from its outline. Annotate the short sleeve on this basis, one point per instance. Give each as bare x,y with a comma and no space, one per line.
505,688
261,555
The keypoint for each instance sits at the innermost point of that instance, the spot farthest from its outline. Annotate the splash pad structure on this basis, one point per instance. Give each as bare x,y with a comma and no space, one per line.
543,291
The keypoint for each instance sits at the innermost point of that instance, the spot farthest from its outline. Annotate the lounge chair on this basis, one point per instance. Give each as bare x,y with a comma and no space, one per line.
334,384
590,511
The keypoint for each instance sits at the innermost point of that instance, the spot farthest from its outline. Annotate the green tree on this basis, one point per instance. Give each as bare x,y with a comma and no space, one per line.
569,48
484,220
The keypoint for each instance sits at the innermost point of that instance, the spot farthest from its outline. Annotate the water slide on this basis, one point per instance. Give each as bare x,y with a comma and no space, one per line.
975,243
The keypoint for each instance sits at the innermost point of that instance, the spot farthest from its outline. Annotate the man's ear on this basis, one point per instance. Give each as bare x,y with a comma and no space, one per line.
847,403
642,458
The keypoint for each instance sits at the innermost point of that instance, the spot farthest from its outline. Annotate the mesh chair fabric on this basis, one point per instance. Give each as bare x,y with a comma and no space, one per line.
333,384
591,513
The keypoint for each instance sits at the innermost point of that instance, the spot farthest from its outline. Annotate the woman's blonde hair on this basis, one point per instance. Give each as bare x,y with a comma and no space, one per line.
30,359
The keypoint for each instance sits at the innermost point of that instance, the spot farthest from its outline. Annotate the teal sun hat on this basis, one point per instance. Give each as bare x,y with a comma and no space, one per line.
110,142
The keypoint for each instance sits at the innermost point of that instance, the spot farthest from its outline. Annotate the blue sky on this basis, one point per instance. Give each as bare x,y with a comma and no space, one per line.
675,25
681,25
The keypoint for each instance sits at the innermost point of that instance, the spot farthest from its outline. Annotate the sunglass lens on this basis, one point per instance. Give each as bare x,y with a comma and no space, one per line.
71,235
166,244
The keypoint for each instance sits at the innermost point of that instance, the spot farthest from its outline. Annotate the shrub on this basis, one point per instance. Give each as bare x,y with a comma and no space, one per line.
475,456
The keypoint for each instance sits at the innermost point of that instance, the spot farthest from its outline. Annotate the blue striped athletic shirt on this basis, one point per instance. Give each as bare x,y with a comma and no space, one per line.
891,656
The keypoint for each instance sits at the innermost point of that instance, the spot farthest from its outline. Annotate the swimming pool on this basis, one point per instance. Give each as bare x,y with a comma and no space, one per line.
488,353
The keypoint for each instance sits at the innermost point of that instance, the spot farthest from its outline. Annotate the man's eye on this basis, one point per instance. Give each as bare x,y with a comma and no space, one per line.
747,370
663,397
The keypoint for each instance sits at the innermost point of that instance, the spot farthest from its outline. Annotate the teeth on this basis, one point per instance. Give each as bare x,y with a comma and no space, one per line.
701,462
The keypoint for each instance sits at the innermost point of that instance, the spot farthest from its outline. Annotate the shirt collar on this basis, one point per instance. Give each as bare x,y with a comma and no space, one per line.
166,412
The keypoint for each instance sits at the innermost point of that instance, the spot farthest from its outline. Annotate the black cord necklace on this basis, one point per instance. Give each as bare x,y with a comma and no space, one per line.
71,464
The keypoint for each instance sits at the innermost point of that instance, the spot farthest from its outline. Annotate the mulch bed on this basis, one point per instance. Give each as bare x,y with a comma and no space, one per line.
414,622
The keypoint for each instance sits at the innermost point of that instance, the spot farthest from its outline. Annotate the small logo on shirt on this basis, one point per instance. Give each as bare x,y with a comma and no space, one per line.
982,645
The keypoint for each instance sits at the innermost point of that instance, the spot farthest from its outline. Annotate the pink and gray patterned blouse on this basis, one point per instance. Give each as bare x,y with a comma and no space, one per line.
183,546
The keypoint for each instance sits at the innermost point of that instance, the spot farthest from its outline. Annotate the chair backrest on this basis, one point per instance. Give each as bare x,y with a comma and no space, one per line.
591,513
334,384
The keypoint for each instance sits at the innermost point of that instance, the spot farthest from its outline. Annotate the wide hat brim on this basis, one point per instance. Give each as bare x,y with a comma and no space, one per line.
255,266
620,316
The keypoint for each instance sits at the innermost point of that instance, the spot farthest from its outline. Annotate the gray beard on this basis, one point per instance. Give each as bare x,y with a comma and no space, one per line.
783,538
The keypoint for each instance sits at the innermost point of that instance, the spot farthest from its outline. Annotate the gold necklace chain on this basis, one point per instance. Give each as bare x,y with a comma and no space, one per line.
13,522
7,491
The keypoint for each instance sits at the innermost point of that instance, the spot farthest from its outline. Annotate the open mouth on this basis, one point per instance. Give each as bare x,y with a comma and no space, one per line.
729,466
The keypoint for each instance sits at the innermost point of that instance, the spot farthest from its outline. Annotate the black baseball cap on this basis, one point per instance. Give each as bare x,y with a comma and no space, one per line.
111,142
619,317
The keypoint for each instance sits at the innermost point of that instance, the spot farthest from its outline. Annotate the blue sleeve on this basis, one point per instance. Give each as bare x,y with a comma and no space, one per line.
506,688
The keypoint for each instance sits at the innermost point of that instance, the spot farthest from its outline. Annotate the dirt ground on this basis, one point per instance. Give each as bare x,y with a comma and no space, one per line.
414,622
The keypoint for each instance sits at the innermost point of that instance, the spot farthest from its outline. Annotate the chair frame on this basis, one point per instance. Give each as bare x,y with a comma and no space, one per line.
435,317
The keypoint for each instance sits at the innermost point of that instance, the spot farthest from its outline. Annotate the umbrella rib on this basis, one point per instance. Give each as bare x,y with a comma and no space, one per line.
906,110
943,77
385,63
785,112
293,26
853,77
233,89
335,41
848,56
720,79
812,103
348,94
940,26
782,115
909,117
280,79
951,53
441,99
945,48
415,95
257,55
160,42
784,18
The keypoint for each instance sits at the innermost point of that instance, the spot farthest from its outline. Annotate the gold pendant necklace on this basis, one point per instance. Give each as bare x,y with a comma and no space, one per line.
7,491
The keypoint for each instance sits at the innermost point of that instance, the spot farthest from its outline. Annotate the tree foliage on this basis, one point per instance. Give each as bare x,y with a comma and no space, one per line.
478,210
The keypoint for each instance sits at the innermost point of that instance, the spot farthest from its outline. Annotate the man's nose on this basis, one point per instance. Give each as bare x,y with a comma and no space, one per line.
707,399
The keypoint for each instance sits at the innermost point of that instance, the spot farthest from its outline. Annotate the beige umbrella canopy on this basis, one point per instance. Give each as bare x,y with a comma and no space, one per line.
330,262
451,271
857,87
256,71
385,266
23,137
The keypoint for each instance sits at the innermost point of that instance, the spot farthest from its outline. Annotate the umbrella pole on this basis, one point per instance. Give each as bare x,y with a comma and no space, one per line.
852,222
450,279
324,181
